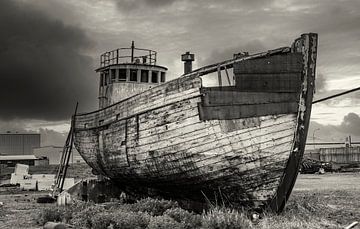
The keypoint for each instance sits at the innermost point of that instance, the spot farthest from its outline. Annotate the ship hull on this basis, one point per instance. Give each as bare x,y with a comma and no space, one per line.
240,143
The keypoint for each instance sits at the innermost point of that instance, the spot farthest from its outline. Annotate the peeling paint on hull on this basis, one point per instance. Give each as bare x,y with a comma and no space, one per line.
178,137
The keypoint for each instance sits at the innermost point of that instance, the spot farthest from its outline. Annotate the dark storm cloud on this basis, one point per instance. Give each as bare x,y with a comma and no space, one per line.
42,70
13,126
124,5
226,54
130,5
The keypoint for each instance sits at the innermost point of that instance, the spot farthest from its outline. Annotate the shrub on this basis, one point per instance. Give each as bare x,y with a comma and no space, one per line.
163,222
185,218
84,217
154,207
2,212
98,218
54,214
225,219
129,220
102,220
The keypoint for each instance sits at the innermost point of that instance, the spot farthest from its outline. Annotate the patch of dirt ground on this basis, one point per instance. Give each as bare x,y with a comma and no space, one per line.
19,208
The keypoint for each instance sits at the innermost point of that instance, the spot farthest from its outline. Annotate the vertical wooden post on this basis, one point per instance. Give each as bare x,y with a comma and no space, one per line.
150,75
127,74
219,76
138,75
117,73
227,75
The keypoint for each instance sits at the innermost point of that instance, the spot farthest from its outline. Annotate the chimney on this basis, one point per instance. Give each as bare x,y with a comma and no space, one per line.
188,58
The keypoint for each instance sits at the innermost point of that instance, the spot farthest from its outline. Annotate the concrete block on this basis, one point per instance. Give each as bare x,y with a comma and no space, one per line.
44,181
64,198
69,182
28,184
21,169
16,179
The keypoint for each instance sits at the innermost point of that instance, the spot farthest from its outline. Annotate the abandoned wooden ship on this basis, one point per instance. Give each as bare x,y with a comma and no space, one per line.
242,141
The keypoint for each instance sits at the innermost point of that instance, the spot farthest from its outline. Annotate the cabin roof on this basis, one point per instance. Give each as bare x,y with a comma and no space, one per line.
132,65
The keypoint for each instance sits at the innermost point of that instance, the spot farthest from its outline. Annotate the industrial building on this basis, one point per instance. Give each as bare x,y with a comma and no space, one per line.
18,143
340,155
333,152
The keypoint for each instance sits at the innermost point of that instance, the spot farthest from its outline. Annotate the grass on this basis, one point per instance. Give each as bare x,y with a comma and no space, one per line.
326,201
305,210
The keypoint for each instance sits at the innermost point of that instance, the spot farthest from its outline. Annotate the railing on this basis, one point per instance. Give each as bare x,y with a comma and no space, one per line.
128,55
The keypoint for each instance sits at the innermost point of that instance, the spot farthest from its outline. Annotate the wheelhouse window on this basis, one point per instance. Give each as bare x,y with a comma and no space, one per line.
122,74
144,76
162,77
113,75
133,75
154,77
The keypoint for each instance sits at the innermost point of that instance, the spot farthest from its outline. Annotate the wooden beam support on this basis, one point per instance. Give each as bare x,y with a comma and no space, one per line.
219,76
233,111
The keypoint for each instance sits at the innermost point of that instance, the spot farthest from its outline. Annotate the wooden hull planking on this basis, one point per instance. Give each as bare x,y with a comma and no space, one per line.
244,141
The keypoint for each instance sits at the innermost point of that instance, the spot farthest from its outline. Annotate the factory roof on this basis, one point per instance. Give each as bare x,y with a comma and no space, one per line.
17,157
16,133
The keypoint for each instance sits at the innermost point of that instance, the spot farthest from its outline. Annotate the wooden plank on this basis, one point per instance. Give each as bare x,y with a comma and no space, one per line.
211,144
246,161
167,93
269,82
230,95
199,137
280,63
222,169
244,111
187,135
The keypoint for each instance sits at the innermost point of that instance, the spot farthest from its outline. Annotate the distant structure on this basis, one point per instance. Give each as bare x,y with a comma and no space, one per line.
346,154
53,153
18,143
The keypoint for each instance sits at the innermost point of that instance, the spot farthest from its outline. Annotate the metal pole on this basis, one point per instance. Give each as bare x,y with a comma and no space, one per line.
117,56
336,95
132,51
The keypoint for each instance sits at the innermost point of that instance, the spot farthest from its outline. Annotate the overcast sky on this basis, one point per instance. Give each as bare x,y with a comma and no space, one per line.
50,48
